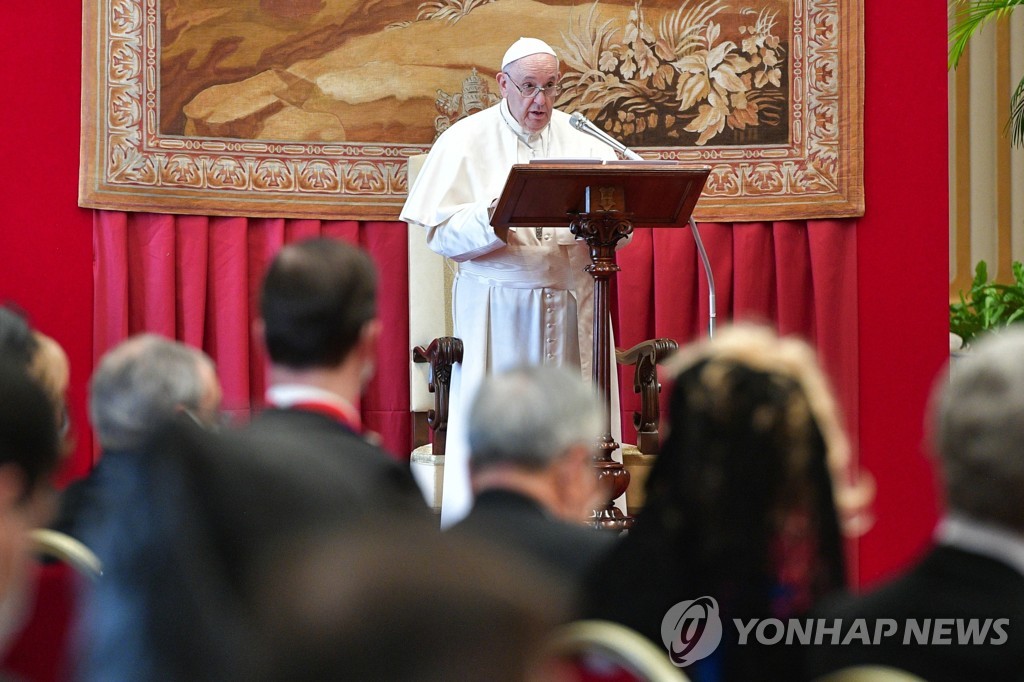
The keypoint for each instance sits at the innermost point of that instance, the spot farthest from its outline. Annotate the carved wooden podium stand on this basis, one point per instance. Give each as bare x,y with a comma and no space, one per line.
600,203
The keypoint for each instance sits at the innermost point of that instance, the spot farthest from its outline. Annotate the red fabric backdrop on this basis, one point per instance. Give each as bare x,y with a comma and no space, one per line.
197,279
900,321
791,275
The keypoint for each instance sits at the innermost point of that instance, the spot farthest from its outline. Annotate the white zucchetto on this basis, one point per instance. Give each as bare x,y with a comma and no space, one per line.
524,47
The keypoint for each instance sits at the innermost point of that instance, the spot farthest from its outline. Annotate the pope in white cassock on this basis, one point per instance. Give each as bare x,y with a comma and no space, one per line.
521,295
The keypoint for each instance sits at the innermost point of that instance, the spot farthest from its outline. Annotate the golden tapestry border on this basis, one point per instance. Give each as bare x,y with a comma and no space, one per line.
126,164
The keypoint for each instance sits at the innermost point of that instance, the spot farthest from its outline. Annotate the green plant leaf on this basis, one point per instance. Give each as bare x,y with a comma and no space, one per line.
968,19
1015,126
971,17
980,275
988,305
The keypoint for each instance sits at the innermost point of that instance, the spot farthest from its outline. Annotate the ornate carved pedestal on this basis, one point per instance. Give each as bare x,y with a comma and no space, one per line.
602,230
593,197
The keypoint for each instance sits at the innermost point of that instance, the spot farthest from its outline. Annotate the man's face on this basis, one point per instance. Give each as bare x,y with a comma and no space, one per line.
539,70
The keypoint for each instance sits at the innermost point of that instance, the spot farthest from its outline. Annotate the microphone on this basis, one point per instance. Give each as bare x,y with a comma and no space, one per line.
583,124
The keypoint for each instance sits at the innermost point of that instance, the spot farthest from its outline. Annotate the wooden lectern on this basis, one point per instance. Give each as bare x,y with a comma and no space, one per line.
600,203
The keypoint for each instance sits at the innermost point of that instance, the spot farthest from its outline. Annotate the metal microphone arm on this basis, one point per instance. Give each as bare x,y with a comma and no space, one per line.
712,313
583,124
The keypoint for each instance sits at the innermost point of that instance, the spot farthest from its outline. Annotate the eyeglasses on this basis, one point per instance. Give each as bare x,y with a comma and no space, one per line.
530,91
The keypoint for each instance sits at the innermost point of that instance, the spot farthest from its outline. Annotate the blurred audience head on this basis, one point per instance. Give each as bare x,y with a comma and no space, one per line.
17,342
743,483
978,427
50,368
29,446
318,304
534,429
29,451
144,382
400,605
43,359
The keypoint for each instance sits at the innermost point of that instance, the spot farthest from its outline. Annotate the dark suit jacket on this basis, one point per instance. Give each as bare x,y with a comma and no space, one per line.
948,583
373,480
515,522
191,522
86,502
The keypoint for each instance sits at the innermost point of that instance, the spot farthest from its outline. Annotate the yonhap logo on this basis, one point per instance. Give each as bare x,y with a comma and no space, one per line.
691,630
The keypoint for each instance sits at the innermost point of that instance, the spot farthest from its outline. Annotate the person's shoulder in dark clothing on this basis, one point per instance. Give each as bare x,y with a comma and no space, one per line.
369,474
85,504
515,521
954,615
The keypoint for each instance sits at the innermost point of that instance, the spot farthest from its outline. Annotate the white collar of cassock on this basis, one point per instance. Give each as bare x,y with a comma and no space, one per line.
979,537
531,140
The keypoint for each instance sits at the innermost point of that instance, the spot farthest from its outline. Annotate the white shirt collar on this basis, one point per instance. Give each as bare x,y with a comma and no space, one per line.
979,537
288,395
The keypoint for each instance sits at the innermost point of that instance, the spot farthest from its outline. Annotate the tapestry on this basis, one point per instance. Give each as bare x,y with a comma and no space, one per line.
311,108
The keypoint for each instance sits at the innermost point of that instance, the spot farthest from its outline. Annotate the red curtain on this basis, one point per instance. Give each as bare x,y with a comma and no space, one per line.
798,277
196,279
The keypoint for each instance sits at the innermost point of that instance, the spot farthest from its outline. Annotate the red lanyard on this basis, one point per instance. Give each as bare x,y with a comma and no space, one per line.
333,411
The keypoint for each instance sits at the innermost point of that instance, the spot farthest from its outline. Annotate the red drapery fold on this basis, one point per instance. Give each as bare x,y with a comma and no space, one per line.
798,277
197,279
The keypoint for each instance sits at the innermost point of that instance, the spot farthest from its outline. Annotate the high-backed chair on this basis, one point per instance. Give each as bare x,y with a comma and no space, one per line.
599,649
434,350
427,461
52,544
43,649
870,673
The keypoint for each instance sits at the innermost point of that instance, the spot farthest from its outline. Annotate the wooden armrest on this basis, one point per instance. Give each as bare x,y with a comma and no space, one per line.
441,354
645,357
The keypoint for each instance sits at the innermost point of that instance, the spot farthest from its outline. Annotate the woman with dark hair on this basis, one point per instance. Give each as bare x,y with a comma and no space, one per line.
739,505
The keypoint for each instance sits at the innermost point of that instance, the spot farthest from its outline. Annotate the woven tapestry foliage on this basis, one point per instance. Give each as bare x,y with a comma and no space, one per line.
298,108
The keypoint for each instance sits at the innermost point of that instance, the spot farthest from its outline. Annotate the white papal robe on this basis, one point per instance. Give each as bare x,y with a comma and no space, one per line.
525,302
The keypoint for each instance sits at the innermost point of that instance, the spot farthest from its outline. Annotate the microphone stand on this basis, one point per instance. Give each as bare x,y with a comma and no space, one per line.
584,125
712,313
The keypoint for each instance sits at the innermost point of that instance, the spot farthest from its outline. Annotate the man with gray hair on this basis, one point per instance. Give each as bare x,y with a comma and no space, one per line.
532,432
139,386
968,590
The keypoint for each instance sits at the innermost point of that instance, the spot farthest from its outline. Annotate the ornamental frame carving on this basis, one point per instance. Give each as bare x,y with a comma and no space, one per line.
132,159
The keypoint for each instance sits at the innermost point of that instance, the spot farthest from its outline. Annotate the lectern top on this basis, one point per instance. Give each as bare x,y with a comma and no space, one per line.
548,193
